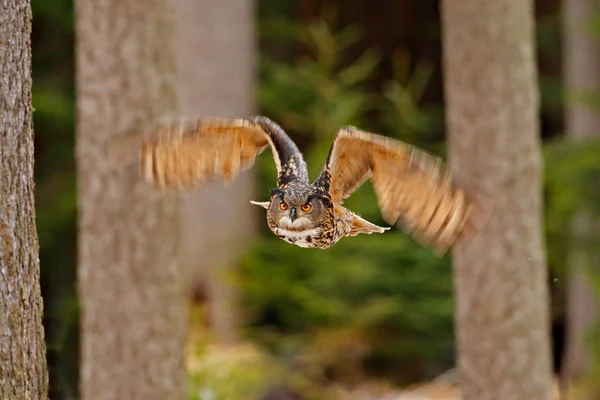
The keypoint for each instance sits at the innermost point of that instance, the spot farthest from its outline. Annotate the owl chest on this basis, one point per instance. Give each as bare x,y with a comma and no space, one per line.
322,236
307,238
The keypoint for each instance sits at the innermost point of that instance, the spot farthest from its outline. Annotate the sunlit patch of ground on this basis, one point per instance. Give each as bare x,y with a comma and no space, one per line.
446,389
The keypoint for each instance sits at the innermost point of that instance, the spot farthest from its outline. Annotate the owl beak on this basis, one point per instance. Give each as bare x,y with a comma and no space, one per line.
293,214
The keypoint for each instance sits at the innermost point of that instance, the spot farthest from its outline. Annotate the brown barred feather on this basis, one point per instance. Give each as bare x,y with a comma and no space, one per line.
413,188
185,154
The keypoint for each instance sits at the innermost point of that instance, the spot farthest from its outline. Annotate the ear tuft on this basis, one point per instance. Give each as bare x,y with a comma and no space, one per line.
276,192
264,204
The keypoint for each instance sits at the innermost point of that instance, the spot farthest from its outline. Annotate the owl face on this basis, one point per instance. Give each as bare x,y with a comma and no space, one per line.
295,209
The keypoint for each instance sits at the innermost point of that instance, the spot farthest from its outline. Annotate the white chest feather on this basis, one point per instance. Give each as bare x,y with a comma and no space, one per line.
303,238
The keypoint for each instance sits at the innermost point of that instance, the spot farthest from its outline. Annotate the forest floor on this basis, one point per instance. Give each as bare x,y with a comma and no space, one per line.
441,389
244,372
436,391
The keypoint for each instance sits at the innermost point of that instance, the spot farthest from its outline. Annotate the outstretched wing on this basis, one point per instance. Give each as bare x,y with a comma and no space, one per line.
185,154
413,188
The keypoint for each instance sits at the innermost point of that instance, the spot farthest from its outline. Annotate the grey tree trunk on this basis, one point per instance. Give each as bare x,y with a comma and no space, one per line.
131,285
23,371
502,310
581,69
216,50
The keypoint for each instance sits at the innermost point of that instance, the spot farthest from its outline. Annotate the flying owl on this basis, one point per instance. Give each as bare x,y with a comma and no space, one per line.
413,188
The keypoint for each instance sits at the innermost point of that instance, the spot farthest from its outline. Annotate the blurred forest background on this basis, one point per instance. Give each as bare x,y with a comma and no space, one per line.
371,309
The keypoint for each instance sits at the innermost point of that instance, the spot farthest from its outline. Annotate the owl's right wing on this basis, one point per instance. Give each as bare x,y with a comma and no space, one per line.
412,186
187,153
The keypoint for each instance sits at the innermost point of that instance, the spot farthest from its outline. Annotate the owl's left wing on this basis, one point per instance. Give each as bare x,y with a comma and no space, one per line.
412,186
186,153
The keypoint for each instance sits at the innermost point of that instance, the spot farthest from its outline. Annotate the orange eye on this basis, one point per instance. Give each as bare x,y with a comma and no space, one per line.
306,207
283,206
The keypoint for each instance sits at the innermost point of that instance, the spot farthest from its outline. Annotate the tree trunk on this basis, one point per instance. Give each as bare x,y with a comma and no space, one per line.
131,286
581,69
23,372
502,305
216,59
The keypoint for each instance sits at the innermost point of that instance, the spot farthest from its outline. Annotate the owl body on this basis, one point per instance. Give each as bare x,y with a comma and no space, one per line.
413,189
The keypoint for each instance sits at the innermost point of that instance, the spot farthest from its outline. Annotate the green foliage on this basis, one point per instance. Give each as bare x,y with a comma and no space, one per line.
573,187
383,293
572,173
572,184
319,92
402,112
54,123
393,293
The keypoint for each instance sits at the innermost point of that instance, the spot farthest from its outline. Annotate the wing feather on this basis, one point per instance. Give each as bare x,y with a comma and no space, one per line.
186,153
413,188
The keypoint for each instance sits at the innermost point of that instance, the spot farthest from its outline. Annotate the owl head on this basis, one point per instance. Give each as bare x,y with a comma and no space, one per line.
295,208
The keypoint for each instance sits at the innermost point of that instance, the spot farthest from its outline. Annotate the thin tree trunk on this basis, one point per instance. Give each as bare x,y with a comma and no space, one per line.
581,69
502,309
131,286
216,58
23,371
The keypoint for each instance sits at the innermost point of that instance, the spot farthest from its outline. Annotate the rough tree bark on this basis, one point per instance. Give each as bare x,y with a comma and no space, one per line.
502,315
581,70
216,52
23,372
131,287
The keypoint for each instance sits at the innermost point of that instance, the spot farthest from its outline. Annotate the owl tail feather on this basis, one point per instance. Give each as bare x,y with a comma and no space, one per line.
264,204
360,225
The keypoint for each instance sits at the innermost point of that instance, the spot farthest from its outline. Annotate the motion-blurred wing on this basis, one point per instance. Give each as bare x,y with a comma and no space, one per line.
185,154
412,187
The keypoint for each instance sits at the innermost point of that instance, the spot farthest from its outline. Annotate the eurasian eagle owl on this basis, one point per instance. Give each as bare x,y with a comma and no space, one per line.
412,187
